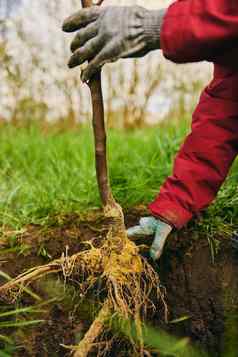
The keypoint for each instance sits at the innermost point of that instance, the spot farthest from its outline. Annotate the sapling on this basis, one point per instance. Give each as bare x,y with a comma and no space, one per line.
128,279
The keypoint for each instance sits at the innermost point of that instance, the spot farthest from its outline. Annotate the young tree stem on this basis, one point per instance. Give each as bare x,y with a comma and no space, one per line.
100,137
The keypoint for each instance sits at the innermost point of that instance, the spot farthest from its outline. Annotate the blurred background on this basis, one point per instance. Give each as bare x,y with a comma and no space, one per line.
36,84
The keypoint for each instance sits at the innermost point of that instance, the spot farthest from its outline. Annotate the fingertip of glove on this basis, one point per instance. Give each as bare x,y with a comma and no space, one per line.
155,254
71,64
73,47
66,26
129,232
70,24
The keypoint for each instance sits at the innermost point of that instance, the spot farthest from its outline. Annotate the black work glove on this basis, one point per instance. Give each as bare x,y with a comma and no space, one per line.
109,33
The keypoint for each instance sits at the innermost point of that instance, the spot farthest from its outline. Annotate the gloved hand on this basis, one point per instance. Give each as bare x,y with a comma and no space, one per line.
109,33
149,226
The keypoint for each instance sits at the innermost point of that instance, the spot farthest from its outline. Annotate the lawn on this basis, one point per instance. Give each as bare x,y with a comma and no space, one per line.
45,172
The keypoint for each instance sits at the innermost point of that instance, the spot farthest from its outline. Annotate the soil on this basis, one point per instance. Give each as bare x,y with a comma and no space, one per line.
202,293
201,289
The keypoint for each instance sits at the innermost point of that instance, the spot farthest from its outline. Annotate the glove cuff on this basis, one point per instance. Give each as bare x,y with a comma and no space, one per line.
153,21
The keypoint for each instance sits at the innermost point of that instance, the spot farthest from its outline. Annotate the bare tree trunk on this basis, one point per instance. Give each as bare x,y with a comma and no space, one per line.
100,141
100,133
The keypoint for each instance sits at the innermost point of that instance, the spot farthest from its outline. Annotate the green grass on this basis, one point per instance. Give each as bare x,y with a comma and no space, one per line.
43,174
17,317
157,340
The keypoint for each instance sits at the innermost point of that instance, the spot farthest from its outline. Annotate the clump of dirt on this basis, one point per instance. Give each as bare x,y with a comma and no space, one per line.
200,293
39,244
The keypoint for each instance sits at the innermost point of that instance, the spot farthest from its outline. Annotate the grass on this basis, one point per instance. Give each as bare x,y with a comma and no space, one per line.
43,173
16,317
158,341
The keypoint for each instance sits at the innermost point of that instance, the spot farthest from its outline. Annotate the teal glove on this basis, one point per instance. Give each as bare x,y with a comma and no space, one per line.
151,226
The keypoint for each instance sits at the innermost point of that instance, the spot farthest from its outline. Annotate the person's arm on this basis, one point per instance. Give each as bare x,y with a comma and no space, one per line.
197,30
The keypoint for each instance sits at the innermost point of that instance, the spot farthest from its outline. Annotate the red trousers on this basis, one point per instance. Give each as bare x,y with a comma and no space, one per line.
196,30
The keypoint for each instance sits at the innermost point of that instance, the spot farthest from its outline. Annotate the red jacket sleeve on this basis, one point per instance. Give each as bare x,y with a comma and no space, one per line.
197,30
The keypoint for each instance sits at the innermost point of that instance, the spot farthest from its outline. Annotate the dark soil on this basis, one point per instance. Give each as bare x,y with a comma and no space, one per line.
204,291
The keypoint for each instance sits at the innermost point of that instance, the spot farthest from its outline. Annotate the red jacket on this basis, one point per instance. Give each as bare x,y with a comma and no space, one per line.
195,30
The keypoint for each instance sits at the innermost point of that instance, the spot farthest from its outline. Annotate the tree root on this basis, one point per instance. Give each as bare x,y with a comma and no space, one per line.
14,287
128,279
84,347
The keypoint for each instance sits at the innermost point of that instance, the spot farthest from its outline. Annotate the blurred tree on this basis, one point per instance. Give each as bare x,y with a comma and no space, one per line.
34,67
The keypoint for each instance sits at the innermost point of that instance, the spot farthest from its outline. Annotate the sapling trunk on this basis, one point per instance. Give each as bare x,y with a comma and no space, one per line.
100,139
111,208
100,134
